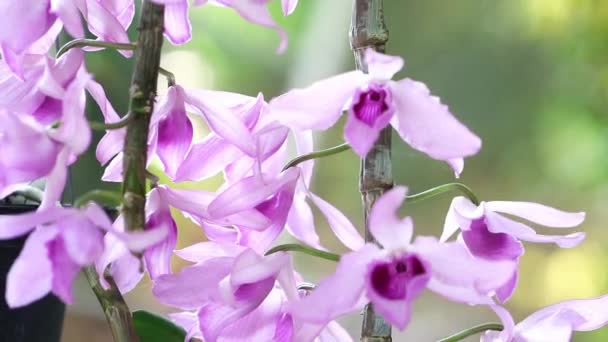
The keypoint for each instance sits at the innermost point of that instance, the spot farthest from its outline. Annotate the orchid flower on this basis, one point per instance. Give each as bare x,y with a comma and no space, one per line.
44,110
60,242
373,101
171,131
490,235
553,323
227,283
31,26
237,294
392,278
179,30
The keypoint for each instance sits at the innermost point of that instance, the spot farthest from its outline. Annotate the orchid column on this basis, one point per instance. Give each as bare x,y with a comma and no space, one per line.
368,30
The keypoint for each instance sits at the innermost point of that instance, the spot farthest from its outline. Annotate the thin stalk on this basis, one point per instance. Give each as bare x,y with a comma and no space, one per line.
438,190
106,197
294,247
123,122
368,30
141,105
472,331
168,75
83,42
317,154
114,307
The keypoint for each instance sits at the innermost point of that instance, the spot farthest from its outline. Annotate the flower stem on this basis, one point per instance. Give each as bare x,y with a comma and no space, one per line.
109,198
472,331
83,42
317,154
141,105
168,75
294,247
114,307
438,190
123,122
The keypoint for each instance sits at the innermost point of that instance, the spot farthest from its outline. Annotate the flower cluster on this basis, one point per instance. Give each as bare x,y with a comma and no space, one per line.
238,288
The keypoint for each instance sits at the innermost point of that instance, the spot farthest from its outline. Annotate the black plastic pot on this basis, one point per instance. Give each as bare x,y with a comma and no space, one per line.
38,322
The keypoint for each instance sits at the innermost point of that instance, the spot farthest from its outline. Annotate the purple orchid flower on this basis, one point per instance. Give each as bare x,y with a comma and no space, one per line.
60,242
171,131
490,235
226,283
237,294
392,278
372,102
268,322
553,323
31,26
179,30
46,107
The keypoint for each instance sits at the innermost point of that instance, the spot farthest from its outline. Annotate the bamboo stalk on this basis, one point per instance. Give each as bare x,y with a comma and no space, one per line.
368,30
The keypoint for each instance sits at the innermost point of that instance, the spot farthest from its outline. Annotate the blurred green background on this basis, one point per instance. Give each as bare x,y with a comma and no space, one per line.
528,76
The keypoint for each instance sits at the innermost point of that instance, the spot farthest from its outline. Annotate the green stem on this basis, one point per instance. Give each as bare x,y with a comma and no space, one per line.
114,307
123,122
109,198
438,190
168,75
472,331
317,154
294,247
83,42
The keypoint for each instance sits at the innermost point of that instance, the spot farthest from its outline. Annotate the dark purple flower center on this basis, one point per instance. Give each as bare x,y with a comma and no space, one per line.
391,279
485,244
370,105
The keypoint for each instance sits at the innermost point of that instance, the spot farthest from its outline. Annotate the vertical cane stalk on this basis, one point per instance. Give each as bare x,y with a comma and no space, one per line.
141,105
368,30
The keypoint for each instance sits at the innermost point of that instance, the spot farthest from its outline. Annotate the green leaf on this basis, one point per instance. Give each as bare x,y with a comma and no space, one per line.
153,328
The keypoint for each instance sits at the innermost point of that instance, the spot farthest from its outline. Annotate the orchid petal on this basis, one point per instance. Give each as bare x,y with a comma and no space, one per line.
223,123
177,24
257,12
301,223
248,193
459,276
380,66
65,270
12,226
427,125
390,231
193,286
538,213
320,105
31,276
339,293
203,251
288,6
344,230
175,130
500,224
